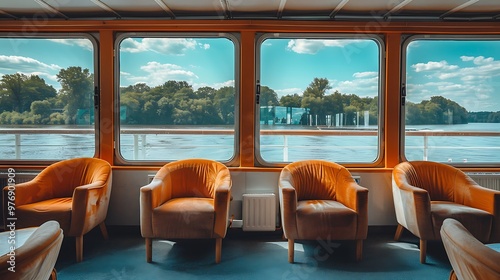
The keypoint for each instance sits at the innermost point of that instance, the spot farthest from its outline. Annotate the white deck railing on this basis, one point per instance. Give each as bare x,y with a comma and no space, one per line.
140,136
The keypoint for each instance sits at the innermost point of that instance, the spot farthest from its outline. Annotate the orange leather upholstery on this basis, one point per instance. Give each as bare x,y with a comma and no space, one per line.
36,258
426,193
320,199
73,192
469,258
187,199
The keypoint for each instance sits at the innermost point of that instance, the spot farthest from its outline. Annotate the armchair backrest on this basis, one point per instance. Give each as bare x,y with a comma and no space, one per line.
315,179
441,181
61,178
193,177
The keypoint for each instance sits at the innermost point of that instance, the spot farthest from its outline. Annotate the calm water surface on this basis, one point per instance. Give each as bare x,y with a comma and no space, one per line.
274,148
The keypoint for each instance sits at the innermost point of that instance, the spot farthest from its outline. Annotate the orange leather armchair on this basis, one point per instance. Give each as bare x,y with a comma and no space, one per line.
73,192
320,199
426,193
36,258
469,258
187,199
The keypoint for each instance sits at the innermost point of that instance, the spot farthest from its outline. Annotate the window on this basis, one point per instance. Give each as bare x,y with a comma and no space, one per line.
452,108
177,96
319,98
47,107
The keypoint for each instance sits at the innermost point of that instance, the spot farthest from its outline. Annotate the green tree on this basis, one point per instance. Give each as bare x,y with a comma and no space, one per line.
294,100
224,100
42,111
139,87
268,97
313,98
317,88
206,92
76,92
18,91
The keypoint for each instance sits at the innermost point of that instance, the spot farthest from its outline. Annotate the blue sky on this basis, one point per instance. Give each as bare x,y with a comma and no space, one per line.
465,72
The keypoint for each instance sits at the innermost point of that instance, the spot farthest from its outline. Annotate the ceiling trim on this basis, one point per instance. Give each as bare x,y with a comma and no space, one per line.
7,14
165,8
338,8
281,8
460,7
51,9
397,8
106,7
225,9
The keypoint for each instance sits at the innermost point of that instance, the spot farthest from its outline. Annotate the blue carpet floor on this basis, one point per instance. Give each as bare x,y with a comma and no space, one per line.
250,256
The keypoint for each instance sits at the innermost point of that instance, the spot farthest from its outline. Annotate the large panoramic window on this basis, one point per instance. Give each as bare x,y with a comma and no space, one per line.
177,96
318,98
452,104
47,108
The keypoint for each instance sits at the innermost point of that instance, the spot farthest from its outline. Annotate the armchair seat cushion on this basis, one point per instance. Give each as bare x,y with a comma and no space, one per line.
329,219
182,218
34,214
477,221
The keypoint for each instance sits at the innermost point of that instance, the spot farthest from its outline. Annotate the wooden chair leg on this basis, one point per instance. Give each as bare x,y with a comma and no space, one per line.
104,231
291,250
399,232
423,250
218,249
149,250
79,248
53,274
359,250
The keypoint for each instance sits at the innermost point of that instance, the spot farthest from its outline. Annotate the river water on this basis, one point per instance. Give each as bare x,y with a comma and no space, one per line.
273,148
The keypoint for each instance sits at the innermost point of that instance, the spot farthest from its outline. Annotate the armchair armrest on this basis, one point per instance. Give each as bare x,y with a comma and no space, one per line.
288,203
32,191
487,200
473,195
355,197
89,204
413,209
150,198
221,206
352,195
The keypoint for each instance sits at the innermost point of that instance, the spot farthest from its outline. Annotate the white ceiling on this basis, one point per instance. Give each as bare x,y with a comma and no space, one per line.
465,10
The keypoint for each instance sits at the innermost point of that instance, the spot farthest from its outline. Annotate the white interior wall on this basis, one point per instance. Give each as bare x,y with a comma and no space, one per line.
124,202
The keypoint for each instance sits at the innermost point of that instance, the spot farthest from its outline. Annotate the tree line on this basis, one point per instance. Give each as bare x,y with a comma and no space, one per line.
30,100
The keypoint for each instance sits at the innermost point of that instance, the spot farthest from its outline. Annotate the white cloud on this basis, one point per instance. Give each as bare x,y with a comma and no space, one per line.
173,46
84,43
29,66
433,65
158,73
289,91
467,58
312,46
25,64
470,86
364,84
480,60
365,74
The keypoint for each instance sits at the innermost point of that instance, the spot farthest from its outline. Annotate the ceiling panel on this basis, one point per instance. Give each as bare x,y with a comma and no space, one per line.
205,9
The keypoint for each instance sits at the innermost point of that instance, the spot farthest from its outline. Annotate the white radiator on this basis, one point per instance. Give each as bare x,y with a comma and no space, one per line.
259,212
489,180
